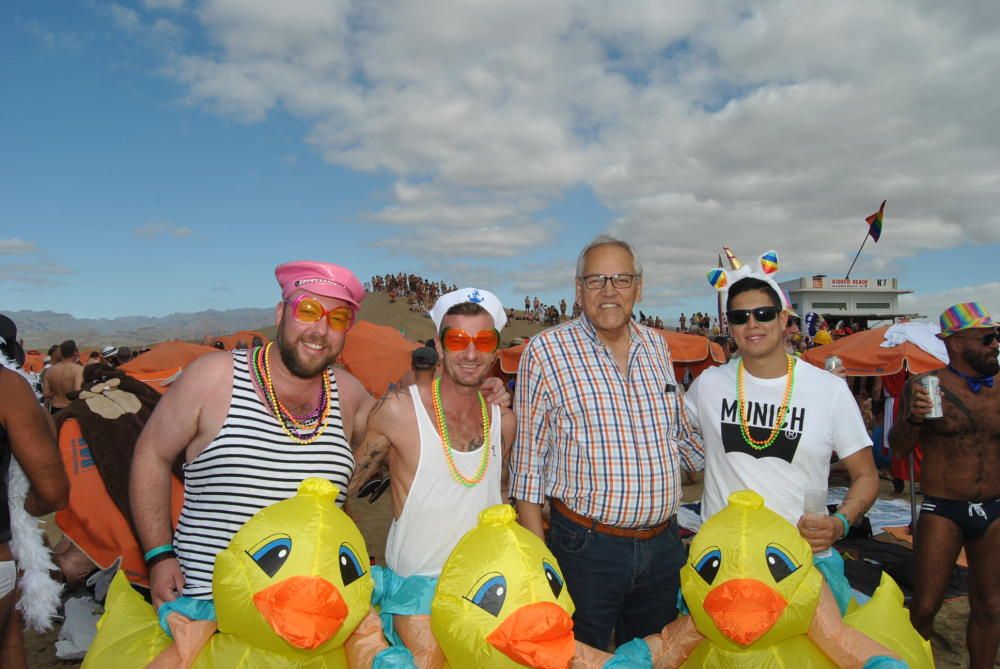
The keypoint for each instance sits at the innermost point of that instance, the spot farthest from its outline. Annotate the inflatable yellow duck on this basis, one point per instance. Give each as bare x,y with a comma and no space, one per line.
758,601
501,602
293,589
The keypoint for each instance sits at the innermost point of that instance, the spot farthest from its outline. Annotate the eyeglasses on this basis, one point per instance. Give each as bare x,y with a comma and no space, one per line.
454,339
985,339
598,281
309,310
760,314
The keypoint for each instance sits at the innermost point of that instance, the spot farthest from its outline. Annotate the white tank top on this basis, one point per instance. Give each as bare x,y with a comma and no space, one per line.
439,510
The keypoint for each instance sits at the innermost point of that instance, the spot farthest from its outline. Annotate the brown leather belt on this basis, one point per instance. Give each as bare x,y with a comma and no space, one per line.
612,530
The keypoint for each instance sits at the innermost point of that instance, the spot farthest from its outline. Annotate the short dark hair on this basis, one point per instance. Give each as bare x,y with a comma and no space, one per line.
750,283
68,348
464,309
53,349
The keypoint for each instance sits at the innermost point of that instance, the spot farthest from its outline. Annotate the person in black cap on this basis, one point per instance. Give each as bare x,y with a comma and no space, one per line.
424,362
10,346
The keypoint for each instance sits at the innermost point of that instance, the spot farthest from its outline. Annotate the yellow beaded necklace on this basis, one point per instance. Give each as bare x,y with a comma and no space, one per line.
760,445
280,412
484,460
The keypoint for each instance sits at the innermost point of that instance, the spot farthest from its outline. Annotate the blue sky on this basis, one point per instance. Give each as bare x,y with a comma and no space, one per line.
165,155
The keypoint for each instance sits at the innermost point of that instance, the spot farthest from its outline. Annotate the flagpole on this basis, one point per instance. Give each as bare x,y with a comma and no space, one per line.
856,257
723,325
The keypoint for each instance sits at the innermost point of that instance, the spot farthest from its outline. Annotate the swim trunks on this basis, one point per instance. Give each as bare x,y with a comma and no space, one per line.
973,518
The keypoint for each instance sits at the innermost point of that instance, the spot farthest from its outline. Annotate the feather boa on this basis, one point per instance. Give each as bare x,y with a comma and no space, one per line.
40,594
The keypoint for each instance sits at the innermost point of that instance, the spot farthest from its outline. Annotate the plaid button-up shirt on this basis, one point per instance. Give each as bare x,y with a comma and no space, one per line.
609,443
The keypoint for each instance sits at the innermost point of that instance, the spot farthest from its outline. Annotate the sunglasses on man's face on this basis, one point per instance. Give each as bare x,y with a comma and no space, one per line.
455,340
309,310
985,339
760,314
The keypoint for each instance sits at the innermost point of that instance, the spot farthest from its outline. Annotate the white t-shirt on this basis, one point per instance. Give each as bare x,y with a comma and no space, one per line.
823,418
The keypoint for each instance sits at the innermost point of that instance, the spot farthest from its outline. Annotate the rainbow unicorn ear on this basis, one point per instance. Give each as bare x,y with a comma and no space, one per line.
769,262
718,278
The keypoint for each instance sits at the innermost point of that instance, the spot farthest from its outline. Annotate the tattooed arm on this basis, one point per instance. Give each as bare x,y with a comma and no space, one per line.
368,460
383,424
372,449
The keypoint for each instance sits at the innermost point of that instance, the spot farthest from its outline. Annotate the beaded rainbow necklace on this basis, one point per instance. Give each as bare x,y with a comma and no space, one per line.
484,460
779,420
302,430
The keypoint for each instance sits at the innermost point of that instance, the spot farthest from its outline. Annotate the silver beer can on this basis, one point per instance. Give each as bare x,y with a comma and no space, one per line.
832,363
932,385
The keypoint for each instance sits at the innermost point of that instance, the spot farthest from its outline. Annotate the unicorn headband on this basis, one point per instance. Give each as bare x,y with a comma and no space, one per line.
767,266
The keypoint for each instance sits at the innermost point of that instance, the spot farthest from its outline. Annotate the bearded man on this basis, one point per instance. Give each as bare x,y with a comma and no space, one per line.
960,478
250,425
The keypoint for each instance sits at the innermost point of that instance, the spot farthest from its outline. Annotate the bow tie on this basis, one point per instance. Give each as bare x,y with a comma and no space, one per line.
976,383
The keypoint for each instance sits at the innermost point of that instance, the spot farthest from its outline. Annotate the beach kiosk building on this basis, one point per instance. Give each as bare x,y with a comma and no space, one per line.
851,300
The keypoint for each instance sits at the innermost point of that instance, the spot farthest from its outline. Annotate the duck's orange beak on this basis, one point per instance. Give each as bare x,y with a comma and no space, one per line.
305,611
537,635
744,609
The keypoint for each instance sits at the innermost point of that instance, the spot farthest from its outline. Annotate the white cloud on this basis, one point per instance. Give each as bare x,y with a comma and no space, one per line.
153,229
779,126
172,5
485,241
56,40
165,29
16,247
44,273
125,18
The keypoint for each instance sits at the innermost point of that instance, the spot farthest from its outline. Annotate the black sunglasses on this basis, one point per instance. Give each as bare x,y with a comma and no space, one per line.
760,314
373,489
986,339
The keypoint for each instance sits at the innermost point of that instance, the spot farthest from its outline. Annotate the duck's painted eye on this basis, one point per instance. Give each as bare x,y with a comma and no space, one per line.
708,566
491,594
271,553
554,579
350,567
779,563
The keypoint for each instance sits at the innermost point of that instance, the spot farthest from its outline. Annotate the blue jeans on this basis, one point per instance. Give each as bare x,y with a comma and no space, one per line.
626,585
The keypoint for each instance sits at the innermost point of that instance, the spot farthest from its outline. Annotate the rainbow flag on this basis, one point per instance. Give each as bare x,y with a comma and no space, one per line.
875,223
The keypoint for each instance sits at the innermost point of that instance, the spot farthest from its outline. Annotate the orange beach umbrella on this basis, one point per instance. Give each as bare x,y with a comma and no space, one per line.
377,355
863,355
163,361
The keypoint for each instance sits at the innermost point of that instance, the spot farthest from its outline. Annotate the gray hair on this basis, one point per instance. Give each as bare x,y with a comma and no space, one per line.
608,240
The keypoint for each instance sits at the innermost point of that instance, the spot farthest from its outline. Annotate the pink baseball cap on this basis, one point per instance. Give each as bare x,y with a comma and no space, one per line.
320,278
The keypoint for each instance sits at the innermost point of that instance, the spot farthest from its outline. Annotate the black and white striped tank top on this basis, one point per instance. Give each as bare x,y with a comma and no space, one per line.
250,464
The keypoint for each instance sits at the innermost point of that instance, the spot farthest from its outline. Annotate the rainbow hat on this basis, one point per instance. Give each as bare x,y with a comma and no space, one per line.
965,316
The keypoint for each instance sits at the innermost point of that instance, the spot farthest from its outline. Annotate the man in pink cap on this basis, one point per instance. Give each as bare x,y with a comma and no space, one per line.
960,477
250,426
